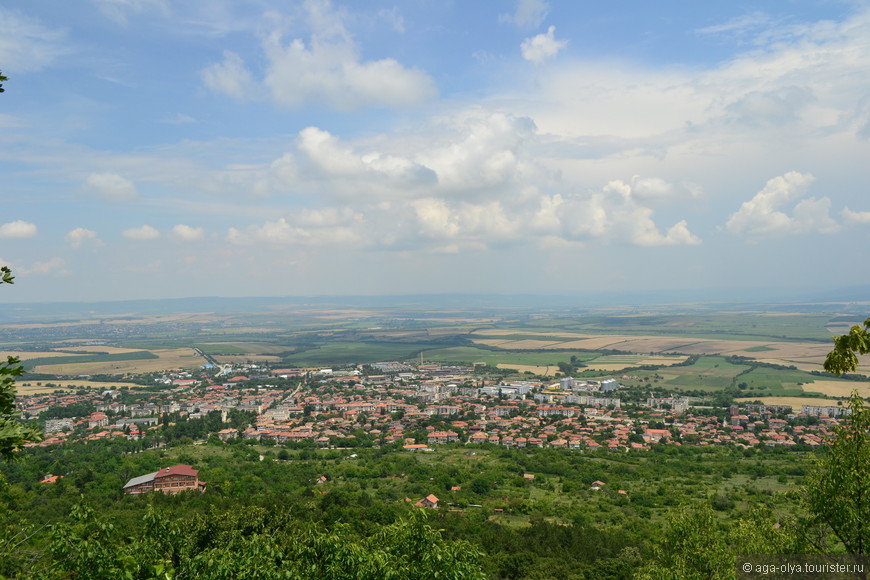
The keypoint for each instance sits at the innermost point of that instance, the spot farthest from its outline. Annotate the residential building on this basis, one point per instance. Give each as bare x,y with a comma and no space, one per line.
168,480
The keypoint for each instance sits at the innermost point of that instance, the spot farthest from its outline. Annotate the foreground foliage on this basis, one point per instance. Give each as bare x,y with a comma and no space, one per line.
13,432
837,491
253,542
268,518
844,357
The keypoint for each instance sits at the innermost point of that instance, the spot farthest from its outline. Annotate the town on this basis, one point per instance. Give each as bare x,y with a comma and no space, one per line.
415,407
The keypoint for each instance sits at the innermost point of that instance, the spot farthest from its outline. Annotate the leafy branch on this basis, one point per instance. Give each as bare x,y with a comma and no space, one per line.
844,357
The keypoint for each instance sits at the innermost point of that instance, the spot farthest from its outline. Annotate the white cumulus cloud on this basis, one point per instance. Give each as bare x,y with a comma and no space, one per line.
141,233
17,229
110,186
322,227
333,74
764,214
484,151
544,46
856,217
331,158
80,236
230,77
611,215
187,233
47,267
325,69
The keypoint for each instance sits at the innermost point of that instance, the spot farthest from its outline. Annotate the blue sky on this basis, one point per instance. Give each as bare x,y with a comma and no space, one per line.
153,148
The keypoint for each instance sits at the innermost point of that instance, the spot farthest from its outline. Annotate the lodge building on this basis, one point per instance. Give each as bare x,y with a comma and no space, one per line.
167,480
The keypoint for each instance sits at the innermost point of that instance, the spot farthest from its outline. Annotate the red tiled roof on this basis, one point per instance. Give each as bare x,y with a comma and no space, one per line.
177,470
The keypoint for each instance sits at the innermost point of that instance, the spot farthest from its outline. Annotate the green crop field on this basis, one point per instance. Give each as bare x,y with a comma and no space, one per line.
493,357
777,382
357,352
725,326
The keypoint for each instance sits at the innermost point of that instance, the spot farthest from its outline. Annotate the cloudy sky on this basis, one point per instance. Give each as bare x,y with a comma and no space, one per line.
160,148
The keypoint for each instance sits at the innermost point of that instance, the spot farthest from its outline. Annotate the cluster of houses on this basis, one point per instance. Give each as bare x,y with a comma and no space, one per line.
334,408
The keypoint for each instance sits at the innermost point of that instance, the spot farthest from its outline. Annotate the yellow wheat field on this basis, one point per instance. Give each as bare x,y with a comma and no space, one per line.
167,359
27,355
31,388
544,371
796,403
838,388
97,349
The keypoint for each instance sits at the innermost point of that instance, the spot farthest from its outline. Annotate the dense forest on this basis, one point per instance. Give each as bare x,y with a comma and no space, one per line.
284,512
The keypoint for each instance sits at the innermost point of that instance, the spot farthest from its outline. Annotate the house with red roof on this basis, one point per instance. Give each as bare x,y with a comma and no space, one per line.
430,501
168,480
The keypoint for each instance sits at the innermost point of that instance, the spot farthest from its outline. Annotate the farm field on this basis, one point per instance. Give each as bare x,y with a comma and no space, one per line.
238,348
707,374
758,323
28,355
543,371
796,402
35,388
242,358
618,362
495,357
339,352
839,388
150,361
808,354
601,342
96,349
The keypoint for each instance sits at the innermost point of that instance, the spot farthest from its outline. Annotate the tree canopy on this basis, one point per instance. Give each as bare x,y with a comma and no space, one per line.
837,491
844,357
13,432
253,542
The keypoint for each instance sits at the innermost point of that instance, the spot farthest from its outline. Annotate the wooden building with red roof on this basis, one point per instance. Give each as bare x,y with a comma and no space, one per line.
168,480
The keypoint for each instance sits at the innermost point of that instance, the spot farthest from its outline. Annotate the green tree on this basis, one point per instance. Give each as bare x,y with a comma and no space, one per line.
13,432
837,491
698,545
2,78
253,542
844,357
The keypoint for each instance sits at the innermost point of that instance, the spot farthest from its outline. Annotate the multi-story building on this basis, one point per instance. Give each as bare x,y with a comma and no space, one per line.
168,480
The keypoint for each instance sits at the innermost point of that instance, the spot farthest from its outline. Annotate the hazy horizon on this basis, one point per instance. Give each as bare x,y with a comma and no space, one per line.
163,149
846,301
